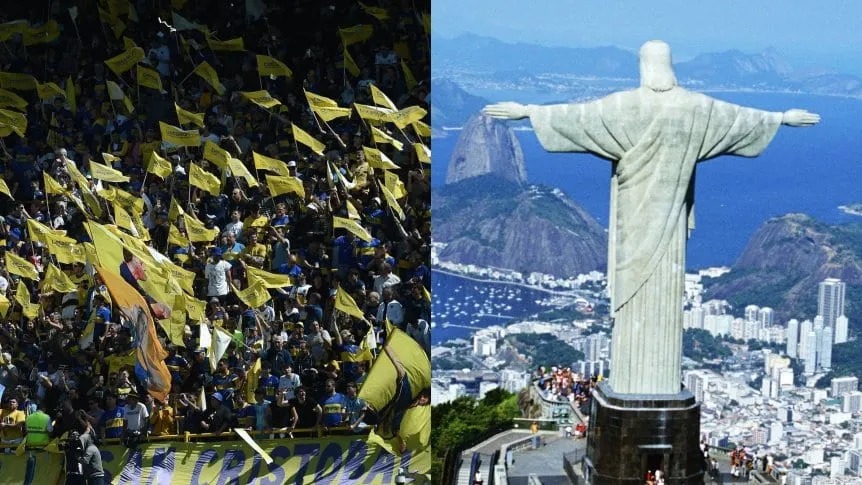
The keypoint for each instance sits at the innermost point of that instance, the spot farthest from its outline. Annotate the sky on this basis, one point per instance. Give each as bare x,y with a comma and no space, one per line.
823,33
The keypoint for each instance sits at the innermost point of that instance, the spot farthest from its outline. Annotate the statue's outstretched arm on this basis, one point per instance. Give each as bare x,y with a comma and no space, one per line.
506,111
800,117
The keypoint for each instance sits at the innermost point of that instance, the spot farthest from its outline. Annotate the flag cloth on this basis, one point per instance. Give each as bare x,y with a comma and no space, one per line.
394,184
262,162
243,434
351,226
379,13
407,115
4,189
125,61
106,174
22,296
56,280
122,218
423,153
391,201
401,372
86,339
175,327
221,340
149,78
350,64
206,71
159,166
108,158
48,90
17,81
235,45
267,279
196,308
372,113
254,296
176,237
238,169
328,113
178,136
380,99
175,210
303,137
414,432
8,29
252,377
378,159
261,98
215,154
181,23
71,97
318,100
45,33
14,121
67,253
352,213
10,99
205,338
198,232
150,354
381,136
357,33
39,232
115,92
270,66
128,43
284,185
189,117
345,303
17,265
409,79
204,180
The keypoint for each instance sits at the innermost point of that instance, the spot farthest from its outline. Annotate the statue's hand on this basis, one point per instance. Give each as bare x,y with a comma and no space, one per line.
506,111
800,117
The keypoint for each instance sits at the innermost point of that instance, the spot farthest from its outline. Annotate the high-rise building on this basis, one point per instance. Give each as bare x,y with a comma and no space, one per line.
852,402
696,384
751,312
776,432
824,357
844,385
766,316
594,345
792,338
810,353
696,317
804,327
841,325
830,300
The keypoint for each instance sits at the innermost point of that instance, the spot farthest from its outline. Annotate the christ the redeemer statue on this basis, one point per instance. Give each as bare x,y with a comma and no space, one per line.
653,136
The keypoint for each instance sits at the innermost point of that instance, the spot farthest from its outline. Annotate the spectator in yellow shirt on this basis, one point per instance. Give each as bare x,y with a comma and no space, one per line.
11,423
163,419
255,253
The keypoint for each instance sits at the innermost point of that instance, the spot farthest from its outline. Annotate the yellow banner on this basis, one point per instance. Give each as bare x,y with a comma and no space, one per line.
345,303
337,459
17,81
15,121
394,184
351,226
350,64
204,180
422,129
328,113
196,308
8,29
379,13
357,33
175,327
215,154
115,92
125,61
270,66
261,98
178,136
176,237
122,218
10,99
56,280
380,98
48,90
52,186
303,137
409,79
373,112
235,45
320,101
381,136
4,189
271,164
410,114
267,279
106,174
159,166
41,233
149,78
391,201
284,185
47,32
198,232
189,117
22,296
17,265
254,296
238,169
209,75
378,159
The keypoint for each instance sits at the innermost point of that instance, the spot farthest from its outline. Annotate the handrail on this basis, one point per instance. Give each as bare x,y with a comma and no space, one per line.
337,430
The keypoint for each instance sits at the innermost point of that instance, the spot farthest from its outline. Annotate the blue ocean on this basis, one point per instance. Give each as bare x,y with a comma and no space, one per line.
812,170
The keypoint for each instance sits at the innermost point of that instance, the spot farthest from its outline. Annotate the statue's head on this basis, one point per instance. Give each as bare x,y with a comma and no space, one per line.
656,67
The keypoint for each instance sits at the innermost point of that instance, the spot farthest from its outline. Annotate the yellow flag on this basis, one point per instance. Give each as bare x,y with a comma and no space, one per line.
67,253
303,137
204,180
117,26
270,66
159,166
328,113
175,210
56,280
372,113
391,201
254,296
238,169
345,303
52,186
410,114
8,98
198,232
13,120
149,78
357,33
351,226
209,75
318,100
178,136
175,327
409,79
380,98
39,232
115,92
195,307
352,213
184,277
394,184
128,43
379,13
122,218
235,45
22,296
4,305
267,279
106,174
189,117
422,129
17,81
378,159
45,33
127,200
215,154
271,164
176,237
423,153
125,61
4,189
48,90
8,29
284,185
17,265
350,64
261,98
71,97
381,136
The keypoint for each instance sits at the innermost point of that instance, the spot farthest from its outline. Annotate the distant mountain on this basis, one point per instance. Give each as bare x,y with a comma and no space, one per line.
785,260
487,146
452,106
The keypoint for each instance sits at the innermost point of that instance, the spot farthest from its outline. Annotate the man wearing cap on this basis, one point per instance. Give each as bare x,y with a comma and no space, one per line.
217,272
137,418
217,416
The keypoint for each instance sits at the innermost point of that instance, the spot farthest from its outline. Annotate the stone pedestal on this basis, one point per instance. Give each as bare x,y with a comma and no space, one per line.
632,433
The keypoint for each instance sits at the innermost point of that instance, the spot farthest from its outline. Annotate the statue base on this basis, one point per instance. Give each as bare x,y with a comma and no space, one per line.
630,434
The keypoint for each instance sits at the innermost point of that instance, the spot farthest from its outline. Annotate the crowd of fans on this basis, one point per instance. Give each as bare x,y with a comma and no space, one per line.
562,384
310,354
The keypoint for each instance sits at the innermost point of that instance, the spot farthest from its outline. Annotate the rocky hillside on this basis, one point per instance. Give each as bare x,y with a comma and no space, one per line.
452,105
487,146
785,260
